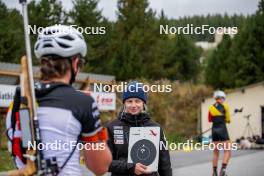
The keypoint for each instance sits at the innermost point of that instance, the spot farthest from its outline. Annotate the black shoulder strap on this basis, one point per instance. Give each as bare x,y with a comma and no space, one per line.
70,155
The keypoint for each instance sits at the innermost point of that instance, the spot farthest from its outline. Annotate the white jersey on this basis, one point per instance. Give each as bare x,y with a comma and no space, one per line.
64,115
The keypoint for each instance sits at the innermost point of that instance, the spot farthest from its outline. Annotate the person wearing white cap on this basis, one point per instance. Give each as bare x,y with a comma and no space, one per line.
219,115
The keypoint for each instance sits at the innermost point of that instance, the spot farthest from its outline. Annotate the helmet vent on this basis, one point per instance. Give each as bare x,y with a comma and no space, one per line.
63,45
50,32
47,40
47,45
67,37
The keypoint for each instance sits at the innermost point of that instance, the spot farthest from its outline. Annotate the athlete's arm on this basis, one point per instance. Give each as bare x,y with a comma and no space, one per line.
227,113
98,161
97,155
209,117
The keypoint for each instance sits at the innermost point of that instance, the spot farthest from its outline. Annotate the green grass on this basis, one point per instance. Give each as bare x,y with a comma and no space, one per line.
175,138
6,162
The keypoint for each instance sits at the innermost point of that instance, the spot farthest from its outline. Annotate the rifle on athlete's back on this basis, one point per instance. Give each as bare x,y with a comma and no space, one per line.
35,163
26,113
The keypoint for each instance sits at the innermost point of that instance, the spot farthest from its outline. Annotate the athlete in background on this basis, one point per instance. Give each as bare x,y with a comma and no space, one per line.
219,115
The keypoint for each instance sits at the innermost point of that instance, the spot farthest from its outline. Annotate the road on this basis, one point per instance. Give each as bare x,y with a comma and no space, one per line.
197,163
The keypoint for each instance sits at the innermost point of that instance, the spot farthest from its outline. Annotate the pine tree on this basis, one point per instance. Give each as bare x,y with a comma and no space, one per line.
136,41
46,13
239,62
247,55
216,73
183,63
11,35
86,15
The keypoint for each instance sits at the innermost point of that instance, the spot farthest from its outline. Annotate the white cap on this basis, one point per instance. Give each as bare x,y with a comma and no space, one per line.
219,94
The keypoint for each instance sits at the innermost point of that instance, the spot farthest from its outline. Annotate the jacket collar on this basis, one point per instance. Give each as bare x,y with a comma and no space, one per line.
43,89
134,119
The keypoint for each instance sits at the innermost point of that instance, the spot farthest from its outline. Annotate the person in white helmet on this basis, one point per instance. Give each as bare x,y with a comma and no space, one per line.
219,115
65,114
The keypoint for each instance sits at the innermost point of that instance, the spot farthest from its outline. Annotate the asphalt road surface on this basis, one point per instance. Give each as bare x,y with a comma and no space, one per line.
198,163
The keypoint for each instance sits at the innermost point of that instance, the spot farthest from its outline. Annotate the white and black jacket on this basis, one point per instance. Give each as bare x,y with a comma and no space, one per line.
119,166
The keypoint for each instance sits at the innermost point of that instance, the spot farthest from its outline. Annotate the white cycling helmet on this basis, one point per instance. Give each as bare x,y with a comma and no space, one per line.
219,94
61,40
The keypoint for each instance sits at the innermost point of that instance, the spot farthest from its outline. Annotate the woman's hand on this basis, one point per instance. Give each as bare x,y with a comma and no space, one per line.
141,169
